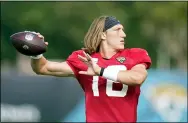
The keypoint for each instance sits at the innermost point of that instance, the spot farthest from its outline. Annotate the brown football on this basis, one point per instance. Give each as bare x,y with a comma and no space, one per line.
28,43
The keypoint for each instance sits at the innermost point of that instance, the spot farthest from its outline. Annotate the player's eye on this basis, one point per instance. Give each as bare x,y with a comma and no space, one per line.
117,29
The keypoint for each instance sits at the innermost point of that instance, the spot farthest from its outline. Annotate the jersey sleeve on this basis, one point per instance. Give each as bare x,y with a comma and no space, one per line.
141,57
75,64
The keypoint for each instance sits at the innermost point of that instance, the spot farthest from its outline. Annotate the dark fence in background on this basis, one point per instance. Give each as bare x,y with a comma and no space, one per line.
28,98
42,98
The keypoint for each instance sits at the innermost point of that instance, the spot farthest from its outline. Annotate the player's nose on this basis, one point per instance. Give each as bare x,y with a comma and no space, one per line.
123,35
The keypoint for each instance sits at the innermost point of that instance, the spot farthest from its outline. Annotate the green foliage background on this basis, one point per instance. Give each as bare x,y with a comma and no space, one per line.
64,24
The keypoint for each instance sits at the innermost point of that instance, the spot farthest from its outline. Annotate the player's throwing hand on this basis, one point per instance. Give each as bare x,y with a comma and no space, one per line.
40,36
93,68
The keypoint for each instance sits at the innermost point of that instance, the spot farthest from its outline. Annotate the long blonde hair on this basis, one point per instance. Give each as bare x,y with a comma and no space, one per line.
92,38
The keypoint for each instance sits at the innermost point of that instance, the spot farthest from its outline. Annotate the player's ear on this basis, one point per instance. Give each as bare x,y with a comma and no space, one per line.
103,36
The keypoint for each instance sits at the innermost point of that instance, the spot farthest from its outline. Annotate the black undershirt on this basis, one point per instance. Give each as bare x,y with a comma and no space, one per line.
106,59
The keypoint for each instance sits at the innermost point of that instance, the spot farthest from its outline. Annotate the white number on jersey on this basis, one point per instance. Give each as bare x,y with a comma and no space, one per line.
109,85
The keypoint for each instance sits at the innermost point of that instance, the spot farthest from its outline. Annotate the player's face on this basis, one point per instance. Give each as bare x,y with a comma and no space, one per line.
115,37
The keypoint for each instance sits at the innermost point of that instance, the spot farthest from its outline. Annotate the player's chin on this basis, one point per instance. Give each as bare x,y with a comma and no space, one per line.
121,47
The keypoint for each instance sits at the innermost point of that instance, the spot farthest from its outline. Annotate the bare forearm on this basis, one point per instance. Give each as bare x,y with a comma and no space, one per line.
131,77
135,76
44,67
38,64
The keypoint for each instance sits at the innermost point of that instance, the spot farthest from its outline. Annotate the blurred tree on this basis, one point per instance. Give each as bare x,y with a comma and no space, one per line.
64,24
167,22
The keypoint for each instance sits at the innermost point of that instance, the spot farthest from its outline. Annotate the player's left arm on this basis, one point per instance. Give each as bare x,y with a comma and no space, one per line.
136,76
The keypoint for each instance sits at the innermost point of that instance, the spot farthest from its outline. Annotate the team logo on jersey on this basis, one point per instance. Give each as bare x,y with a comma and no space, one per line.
121,59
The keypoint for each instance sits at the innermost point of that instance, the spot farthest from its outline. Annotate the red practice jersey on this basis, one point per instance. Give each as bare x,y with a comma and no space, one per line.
106,100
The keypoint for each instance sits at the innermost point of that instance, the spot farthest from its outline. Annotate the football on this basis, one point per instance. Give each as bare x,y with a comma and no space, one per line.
28,43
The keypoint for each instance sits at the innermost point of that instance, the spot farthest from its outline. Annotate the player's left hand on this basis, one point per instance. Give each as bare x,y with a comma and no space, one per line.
93,68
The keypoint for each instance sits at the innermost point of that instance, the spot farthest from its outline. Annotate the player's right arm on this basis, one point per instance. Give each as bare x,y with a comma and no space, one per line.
70,67
44,67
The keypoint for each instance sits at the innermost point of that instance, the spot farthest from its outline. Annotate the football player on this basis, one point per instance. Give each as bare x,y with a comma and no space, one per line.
109,74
